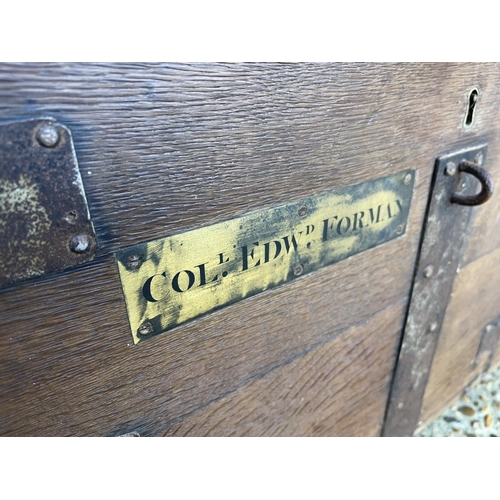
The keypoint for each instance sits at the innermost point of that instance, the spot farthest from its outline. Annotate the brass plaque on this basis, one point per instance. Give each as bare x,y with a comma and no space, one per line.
172,280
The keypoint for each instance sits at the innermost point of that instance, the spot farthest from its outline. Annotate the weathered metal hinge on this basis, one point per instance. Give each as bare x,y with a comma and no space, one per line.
45,222
443,237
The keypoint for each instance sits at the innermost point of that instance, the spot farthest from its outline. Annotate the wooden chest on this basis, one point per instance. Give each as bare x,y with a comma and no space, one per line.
166,149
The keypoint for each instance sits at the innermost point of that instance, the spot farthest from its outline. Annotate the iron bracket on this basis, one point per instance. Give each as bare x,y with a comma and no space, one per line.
445,231
45,223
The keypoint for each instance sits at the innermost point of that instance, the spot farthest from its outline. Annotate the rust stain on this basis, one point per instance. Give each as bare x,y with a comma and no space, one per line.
42,203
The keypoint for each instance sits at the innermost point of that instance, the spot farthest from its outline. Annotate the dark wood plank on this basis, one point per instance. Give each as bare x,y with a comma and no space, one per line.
175,147
323,393
168,148
485,234
69,365
475,302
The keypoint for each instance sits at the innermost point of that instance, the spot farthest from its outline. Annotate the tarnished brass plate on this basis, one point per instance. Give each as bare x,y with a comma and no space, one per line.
170,281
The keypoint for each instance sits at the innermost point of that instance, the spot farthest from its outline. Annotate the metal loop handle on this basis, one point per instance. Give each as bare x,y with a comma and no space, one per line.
486,185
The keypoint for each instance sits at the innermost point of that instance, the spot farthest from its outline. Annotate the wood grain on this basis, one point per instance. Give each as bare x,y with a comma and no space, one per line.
474,303
485,234
80,374
166,148
174,147
323,393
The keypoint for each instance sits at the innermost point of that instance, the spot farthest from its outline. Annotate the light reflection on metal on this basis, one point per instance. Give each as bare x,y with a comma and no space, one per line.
43,208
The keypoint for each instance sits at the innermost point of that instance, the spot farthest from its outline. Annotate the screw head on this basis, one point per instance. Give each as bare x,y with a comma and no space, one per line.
433,326
146,328
450,169
479,159
407,179
302,211
297,269
400,229
79,243
134,261
428,271
48,136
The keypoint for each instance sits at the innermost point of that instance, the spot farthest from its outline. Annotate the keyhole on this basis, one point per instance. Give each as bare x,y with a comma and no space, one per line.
472,106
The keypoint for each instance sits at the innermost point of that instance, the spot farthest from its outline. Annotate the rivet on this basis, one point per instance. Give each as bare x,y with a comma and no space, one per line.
400,229
479,158
79,243
133,434
134,261
433,326
297,270
302,211
407,179
48,136
450,169
146,328
71,217
428,272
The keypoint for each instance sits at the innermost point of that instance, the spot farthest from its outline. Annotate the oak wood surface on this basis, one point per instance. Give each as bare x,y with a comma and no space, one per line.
168,148
81,374
474,303
325,392
485,232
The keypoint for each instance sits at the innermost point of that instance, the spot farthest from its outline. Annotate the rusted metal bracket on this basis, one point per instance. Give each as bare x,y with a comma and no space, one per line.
484,179
488,345
444,234
45,222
